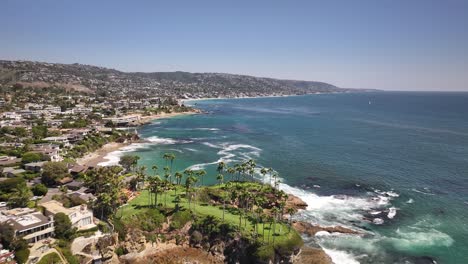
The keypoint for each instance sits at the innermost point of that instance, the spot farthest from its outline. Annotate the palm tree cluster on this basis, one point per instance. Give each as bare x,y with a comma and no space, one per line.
256,204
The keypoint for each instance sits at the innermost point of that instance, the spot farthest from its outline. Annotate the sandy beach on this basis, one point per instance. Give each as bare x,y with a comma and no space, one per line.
98,156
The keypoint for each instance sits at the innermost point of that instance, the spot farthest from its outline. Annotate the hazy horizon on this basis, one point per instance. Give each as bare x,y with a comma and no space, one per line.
389,45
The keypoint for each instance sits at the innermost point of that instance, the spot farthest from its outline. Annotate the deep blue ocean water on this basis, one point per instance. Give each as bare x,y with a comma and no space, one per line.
391,164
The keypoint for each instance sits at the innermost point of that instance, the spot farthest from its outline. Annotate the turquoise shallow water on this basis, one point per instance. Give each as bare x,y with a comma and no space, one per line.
394,165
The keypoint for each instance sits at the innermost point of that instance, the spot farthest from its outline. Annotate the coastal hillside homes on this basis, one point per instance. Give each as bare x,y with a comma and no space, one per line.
11,116
80,216
9,161
58,139
50,150
12,172
28,223
81,109
123,121
34,166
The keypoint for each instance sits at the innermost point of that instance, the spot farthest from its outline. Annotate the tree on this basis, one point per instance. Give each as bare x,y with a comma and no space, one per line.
21,196
52,172
178,177
201,174
7,234
220,179
63,226
39,131
31,157
291,212
129,161
39,189
107,185
169,157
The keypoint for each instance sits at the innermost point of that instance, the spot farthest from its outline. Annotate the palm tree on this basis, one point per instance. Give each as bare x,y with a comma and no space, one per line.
291,211
169,157
258,213
141,174
231,171
154,187
238,169
270,171
155,169
221,167
282,204
220,179
274,211
189,181
178,176
263,171
201,174
270,221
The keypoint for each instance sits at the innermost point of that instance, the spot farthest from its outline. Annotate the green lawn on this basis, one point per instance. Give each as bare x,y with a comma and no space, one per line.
50,258
231,214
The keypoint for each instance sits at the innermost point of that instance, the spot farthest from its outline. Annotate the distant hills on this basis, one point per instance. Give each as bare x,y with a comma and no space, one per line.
93,79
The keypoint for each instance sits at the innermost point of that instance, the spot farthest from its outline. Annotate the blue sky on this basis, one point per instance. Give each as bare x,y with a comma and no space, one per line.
394,45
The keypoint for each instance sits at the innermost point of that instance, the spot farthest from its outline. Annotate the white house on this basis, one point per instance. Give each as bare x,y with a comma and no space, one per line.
80,216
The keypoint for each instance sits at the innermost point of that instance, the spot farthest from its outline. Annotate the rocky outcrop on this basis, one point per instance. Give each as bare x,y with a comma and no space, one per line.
309,255
295,202
311,230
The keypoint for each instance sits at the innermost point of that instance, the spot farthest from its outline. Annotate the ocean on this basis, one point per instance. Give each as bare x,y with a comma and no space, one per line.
393,165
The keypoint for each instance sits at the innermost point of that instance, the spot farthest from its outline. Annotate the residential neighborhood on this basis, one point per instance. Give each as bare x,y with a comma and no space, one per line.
47,198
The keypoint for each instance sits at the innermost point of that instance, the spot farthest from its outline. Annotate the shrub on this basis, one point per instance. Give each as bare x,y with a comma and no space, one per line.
290,245
180,218
264,254
22,255
50,258
39,189
120,251
196,238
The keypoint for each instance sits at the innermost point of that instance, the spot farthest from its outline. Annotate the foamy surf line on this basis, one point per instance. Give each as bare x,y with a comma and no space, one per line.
229,152
113,158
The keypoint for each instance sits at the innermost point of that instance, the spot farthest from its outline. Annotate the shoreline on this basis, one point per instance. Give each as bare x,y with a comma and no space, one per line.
93,159
242,97
148,119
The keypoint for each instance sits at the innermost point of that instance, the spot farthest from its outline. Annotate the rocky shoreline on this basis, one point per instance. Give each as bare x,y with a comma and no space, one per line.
176,250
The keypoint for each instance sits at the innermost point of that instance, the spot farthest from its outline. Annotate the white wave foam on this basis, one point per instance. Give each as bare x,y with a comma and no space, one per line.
113,158
211,145
334,210
391,213
207,128
166,141
229,153
426,191
378,221
414,239
340,257
176,150
191,149
410,201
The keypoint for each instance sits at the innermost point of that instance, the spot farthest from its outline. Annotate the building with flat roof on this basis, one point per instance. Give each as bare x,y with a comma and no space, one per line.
80,216
29,224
